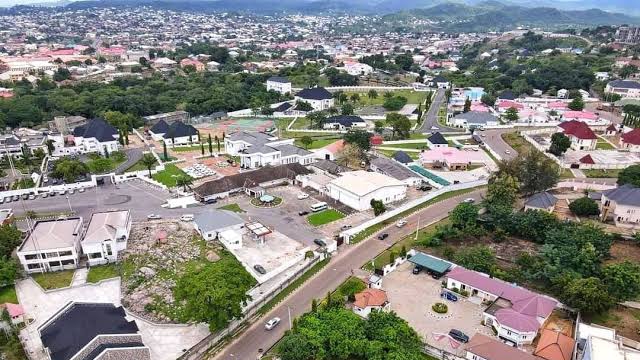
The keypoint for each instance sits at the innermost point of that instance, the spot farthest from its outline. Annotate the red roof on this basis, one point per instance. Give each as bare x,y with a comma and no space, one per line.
370,297
578,129
632,137
506,104
580,115
611,128
14,310
587,159
376,140
554,345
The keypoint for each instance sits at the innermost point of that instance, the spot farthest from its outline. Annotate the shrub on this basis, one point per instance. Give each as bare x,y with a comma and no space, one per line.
584,207
440,308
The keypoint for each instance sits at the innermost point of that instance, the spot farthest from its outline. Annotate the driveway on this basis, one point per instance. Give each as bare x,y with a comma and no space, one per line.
493,139
133,156
411,297
431,118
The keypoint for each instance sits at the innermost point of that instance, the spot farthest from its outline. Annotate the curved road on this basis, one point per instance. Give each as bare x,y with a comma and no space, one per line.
431,118
245,346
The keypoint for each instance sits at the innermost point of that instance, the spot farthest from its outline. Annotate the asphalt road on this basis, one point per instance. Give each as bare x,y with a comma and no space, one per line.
431,119
493,139
348,258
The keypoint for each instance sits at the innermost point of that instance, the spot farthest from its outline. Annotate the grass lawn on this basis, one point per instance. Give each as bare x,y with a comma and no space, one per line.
102,272
232,207
413,97
604,145
324,217
601,173
389,153
100,165
138,166
54,280
416,146
517,142
301,123
169,175
8,294
566,174
317,143
191,148
417,136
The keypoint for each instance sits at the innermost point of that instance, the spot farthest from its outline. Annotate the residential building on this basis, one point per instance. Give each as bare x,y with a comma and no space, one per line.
211,223
395,170
96,136
51,245
279,84
356,189
331,151
357,69
370,299
543,201
482,347
257,149
328,167
344,122
515,313
319,98
452,159
106,236
197,65
474,119
86,331
628,35
622,205
624,88
554,345
583,116
436,140
402,157
580,134
15,312
602,343
167,117
176,134
629,140
439,82
15,145
66,124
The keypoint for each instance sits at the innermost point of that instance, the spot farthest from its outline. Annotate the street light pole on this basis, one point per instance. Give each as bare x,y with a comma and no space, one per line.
417,227
69,202
289,311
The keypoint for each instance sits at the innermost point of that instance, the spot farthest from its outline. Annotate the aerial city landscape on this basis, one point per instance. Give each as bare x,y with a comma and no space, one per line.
320,180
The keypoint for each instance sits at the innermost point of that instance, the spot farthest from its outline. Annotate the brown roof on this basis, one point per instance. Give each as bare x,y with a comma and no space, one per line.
370,297
490,349
554,345
250,178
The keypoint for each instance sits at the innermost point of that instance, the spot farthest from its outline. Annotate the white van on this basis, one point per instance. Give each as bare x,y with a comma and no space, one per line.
318,206
186,217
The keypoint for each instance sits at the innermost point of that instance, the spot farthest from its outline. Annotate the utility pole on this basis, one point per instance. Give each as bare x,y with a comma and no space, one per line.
289,311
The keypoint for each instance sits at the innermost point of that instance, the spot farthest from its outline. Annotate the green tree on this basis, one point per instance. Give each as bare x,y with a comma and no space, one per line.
214,293
511,114
8,270
202,148
359,138
630,175
317,118
478,258
347,109
303,106
378,126
394,103
351,287
148,160
622,280
467,105
184,181
577,104
584,207
377,206
400,125
210,144
69,169
372,94
355,97
306,141
534,171
560,143
588,295
488,99
464,215
501,194
10,238
164,151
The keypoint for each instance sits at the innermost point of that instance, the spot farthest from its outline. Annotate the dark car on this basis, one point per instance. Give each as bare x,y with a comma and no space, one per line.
259,269
383,236
416,269
320,242
345,227
458,335
303,213
211,201
449,296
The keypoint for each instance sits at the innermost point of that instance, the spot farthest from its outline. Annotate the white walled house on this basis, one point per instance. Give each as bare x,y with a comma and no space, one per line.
214,222
370,299
176,134
624,88
96,136
344,122
356,189
53,245
319,98
279,84
106,236
622,205
257,149
357,69
580,134
630,140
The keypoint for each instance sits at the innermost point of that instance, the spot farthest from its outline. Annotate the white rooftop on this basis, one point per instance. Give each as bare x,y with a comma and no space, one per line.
602,349
53,234
362,182
104,225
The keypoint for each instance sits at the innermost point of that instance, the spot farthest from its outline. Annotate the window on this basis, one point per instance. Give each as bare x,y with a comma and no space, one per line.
68,262
95,255
33,266
31,257
109,252
51,255
54,263
65,253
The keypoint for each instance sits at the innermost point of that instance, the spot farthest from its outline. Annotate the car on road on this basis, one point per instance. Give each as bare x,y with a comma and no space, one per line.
425,187
458,335
25,196
32,197
303,213
259,269
211,201
507,152
319,242
45,195
81,190
153,217
303,196
272,323
469,200
483,135
71,192
401,223
383,236
448,295
15,198
434,128
416,270
187,217
62,192
346,227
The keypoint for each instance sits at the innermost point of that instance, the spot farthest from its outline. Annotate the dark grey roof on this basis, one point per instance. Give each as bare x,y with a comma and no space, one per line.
161,127
437,139
344,120
288,150
541,200
439,79
259,149
282,107
507,95
402,157
393,169
96,128
476,117
625,194
179,129
79,324
625,84
279,79
253,138
330,166
317,93
214,220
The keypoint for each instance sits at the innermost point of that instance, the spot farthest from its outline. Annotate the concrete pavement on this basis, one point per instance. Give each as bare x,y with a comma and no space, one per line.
493,139
246,345
431,118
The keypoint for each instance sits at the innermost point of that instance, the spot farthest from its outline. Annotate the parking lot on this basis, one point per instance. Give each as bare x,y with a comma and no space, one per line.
411,297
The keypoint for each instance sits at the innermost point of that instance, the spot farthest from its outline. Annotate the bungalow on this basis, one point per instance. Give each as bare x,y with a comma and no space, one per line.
52,245
474,119
622,205
357,69
624,88
257,149
436,140
515,313
370,299
279,84
96,135
319,98
554,345
630,140
331,151
402,157
580,134
211,223
15,312
197,65
439,82
452,158
584,116
343,122
395,170
482,347
356,189
176,134
543,201
505,105
106,236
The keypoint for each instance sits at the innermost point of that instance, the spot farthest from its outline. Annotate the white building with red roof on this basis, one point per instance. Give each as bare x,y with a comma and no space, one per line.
370,299
631,140
584,116
581,135
505,105
514,312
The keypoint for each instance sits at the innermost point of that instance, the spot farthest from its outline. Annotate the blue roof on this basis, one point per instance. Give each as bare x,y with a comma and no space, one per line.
430,263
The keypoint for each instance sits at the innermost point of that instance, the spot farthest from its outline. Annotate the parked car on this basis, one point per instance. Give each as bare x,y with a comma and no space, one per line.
71,192
45,195
81,190
320,242
259,269
62,192
272,323
153,217
448,295
401,223
383,236
32,197
25,196
425,187
187,217
416,270
211,201
303,196
507,152
16,197
458,335
303,213
346,227
469,200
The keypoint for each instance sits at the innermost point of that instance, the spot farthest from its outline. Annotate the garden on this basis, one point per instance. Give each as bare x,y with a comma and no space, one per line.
324,217
172,176
54,280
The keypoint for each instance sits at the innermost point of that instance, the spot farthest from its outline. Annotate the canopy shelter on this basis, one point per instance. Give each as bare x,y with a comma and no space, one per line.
432,264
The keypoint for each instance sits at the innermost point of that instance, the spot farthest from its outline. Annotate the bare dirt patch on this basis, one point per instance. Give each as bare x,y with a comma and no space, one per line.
625,320
622,250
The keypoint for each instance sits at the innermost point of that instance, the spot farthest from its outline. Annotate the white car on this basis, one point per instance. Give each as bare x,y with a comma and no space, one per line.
401,223
81,190
507,152
303,196
469,200
153,217
187,217
435,128
272,323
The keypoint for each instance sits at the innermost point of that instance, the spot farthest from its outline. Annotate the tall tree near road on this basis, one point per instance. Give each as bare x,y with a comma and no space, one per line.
148,161
560,143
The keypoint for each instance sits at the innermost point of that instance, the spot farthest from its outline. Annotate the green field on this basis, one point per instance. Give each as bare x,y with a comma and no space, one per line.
102,272
54,280
413,97
169,175
8,295
317,143
604,145
601,173
324,217
138,166
415,146
190,148
232,207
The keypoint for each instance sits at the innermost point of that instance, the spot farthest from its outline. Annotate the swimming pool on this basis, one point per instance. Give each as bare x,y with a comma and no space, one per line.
474,93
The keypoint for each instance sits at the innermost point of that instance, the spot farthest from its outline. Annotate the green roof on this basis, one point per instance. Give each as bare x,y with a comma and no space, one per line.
430,263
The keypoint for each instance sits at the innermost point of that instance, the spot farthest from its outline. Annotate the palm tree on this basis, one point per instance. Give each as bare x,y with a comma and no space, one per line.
184,181
148,161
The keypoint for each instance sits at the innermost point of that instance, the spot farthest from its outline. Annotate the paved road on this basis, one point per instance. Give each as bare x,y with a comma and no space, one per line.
493,139
431,118
246,345
133,155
